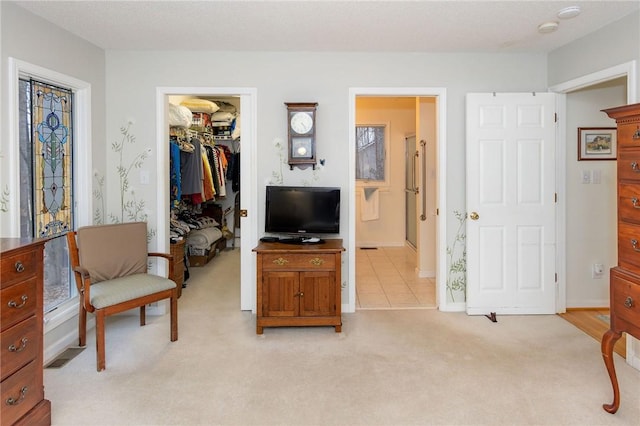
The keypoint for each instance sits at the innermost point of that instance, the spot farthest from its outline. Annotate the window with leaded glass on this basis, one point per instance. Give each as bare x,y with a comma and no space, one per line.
46,199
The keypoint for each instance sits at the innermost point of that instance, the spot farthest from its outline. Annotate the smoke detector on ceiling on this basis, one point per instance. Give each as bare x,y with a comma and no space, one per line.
547,27
569,12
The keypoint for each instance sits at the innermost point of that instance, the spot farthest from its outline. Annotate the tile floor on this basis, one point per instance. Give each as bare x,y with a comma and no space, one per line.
386,278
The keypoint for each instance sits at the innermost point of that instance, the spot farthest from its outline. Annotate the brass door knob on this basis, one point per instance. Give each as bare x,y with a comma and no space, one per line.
474,216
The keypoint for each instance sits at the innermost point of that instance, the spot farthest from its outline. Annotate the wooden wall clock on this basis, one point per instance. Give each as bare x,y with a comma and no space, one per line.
301,125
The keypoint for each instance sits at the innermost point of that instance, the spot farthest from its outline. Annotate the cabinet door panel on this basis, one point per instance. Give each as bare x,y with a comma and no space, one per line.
279,294
319,293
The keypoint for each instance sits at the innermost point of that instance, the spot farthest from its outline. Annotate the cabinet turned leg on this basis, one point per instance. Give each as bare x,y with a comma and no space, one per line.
258,329
608,341
338,328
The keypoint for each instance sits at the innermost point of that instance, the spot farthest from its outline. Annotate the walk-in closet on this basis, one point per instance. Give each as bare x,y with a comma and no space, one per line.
204,182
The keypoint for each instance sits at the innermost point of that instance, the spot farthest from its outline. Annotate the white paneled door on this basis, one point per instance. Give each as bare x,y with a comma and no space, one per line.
511,203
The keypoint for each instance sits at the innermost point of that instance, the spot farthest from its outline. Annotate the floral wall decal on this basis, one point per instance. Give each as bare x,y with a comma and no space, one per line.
4,199
131,207
98,195
277,176
457,258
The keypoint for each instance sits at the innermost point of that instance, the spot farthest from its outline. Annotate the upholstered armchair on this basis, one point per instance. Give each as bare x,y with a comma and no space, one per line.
110,267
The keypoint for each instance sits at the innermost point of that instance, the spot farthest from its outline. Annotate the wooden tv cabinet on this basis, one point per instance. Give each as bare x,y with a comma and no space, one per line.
299,285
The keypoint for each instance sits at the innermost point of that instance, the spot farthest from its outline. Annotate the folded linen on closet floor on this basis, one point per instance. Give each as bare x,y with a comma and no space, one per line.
203,238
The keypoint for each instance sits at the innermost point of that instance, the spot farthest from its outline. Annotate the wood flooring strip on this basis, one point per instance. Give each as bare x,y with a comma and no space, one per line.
587,320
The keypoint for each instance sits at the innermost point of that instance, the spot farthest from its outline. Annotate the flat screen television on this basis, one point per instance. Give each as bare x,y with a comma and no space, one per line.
302,210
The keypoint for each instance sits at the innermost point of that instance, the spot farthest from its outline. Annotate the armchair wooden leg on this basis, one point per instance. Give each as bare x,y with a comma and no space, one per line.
82,326
143,315
100,350
174,315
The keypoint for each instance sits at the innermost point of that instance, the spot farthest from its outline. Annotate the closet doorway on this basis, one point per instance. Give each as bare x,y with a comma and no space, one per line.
246,100
396,249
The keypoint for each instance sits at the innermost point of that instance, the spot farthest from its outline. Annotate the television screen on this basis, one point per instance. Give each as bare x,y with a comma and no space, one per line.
302,210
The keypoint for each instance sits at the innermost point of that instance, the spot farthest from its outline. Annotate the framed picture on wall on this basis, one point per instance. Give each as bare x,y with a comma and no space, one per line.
597,143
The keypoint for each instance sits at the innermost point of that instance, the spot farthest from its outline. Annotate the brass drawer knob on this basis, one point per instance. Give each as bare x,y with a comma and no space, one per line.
13,304
23,345
19,266
628,302
13,401
634,167
316,261
634,201
280,261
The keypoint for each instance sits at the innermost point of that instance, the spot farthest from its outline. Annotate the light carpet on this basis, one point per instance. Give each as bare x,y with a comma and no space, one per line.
403,367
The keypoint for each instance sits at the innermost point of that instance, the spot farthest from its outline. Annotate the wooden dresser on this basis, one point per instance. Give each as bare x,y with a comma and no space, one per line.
21,354
625,278
299,285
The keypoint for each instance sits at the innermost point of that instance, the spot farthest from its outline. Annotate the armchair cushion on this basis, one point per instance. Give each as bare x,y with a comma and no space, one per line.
113,251
121,289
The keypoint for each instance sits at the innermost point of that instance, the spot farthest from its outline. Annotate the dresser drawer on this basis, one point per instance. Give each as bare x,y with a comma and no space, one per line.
18,302
629,165
20,392
626,134
18,267
20,345
297,261
629,202
625,299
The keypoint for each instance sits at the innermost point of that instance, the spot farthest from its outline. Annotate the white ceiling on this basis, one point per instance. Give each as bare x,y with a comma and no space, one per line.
328,25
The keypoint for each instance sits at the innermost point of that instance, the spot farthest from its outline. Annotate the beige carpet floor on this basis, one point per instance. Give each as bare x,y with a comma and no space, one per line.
391,367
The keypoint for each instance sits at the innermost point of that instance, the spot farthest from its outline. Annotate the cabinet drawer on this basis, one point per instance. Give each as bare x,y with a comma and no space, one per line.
295,261
629,165
20,393
20,345
625,298
626,134
18,302
629,202
18,267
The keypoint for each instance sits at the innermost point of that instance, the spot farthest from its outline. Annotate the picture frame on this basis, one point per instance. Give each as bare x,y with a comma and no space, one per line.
597,143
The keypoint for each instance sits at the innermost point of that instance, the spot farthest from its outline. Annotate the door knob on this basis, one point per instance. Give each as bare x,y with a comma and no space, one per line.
474,216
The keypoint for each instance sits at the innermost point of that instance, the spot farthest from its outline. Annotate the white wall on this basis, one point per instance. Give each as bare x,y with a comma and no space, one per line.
591,208
132,78
33,40
615,44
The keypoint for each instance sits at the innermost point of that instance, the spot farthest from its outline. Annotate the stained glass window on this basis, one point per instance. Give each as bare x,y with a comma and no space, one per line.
52,138
46,147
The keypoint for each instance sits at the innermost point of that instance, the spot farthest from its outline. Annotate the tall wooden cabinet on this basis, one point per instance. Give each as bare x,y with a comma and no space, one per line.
625,278
21,354
299,285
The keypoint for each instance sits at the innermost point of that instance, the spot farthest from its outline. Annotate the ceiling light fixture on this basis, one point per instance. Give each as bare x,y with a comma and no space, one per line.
569,12
547,27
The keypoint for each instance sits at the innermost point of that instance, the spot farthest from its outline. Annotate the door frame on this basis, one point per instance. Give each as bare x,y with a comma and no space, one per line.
248,165
628,70
441,226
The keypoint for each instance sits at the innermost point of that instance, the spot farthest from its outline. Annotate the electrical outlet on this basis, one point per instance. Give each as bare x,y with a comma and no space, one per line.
597,176
586,176
597,271
144,177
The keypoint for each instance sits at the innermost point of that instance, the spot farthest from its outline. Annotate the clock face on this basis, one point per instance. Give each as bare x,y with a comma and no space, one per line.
301,148
301,123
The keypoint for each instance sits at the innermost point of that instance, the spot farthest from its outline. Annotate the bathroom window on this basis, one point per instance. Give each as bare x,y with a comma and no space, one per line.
371,154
